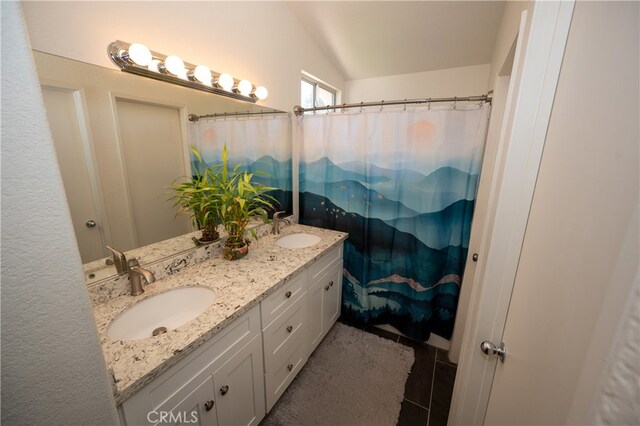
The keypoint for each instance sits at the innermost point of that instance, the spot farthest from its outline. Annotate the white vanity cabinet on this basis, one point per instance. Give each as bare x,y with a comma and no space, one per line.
284,329
239,374
324,296
221,382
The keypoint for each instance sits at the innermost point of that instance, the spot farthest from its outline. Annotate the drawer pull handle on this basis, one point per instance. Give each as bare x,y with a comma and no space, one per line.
290,328
208,405
224,390
288,294
326,287
290,367
331,283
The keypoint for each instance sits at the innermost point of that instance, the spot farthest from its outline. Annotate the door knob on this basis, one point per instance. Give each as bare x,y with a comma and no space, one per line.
489,348
90,223
208,405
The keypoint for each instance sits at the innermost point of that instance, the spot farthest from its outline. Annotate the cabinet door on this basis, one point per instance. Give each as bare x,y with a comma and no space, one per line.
239,387
314,316
196,408
332,298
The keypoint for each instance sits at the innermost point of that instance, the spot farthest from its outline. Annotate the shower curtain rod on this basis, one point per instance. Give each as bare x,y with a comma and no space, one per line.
298,110
194,117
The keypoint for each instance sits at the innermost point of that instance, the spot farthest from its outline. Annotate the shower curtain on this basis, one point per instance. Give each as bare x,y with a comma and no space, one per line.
402,183
261,144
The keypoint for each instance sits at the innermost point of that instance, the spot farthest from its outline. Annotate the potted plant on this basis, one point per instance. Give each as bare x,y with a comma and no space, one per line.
238,200
196,196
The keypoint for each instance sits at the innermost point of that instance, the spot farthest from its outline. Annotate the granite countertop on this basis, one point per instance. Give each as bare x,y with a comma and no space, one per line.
239,285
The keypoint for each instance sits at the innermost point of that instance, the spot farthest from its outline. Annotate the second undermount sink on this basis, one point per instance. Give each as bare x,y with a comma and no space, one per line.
161,313
299,240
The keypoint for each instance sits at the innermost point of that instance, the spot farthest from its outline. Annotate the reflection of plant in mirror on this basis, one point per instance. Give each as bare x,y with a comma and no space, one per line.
239,199
197,197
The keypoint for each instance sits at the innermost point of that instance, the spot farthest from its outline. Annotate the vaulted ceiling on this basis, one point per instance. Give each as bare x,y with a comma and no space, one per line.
378,38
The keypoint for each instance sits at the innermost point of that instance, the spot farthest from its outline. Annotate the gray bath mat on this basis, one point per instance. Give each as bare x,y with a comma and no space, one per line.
353,378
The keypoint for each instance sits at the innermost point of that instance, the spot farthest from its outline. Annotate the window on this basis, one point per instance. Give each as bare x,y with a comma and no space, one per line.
314,93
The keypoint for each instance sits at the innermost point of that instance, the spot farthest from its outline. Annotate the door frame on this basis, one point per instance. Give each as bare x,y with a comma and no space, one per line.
521,144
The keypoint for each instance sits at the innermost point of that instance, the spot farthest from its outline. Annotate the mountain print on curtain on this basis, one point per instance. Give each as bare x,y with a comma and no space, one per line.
260,145
403,185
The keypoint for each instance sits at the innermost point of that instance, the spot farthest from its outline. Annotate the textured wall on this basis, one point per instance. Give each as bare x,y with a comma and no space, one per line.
52,366
619,402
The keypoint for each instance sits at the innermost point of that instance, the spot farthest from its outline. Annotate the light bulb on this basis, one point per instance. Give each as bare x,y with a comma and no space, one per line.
174,65
226,82
153,65
183,74
203,75
261,93
245,87
139,54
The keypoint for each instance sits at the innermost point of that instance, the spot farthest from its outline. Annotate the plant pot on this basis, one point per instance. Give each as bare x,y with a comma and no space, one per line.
209,234
234,252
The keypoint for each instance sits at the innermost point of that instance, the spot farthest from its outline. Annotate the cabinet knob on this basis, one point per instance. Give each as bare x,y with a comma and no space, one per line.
290,367
288,294
326,287
208,405
90,223
290,328
331,283
224,390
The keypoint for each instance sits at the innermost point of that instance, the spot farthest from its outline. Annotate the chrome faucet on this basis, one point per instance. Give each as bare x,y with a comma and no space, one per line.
136,273
275,229
119,260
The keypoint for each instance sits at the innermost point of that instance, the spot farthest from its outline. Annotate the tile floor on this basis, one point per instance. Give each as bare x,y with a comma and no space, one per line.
427,393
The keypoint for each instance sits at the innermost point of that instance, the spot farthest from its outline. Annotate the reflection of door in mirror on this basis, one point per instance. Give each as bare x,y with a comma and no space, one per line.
65,117
148,134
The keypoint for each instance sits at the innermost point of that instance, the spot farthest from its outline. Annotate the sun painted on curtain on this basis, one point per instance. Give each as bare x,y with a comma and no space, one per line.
403,185
260,145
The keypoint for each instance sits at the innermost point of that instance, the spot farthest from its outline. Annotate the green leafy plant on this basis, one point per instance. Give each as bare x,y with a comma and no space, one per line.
197,197
239,199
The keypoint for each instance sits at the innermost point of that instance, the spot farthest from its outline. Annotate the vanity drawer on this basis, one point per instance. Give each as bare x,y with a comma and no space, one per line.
278,336
324,263
277,380
278,302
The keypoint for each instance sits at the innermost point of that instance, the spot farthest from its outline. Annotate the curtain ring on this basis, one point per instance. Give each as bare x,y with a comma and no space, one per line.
361,106
343,108
381,105
455,102
429,105
405,104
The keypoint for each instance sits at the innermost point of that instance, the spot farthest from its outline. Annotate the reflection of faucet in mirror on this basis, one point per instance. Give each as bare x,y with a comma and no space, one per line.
275,229
136,273
119,260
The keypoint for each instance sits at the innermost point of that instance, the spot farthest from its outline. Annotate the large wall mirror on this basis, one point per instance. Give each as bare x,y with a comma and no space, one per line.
121,140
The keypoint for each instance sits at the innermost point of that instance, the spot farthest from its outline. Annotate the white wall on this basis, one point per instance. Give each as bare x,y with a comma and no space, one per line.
579,261
462,81
260,41
53,371
506,36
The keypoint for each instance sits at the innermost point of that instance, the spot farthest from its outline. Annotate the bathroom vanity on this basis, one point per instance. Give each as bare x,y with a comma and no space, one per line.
231,363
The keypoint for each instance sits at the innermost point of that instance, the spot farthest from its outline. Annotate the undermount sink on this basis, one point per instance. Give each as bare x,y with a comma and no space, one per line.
299,240
161,313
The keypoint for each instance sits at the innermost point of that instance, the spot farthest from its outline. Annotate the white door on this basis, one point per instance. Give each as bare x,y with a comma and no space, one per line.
151,142
537,61
64,114
579,260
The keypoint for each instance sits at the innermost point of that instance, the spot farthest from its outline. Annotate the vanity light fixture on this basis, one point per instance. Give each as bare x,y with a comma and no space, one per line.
138,59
